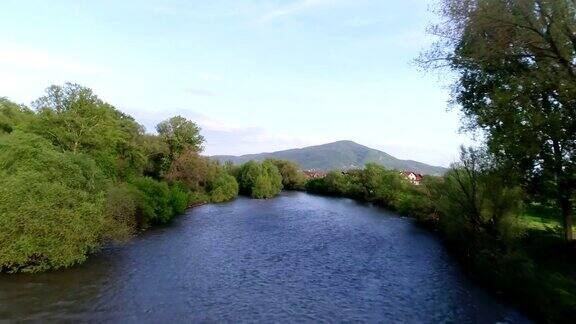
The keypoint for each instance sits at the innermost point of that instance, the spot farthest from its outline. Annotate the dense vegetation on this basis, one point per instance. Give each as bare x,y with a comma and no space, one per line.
515,66
515,63
77,173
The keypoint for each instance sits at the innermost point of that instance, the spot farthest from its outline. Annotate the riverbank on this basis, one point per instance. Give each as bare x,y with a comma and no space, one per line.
297,258
531,269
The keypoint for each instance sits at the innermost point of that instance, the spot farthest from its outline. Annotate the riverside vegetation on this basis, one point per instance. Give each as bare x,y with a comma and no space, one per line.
77,173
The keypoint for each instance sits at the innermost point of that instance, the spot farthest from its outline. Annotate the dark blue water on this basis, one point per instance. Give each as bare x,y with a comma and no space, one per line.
298,258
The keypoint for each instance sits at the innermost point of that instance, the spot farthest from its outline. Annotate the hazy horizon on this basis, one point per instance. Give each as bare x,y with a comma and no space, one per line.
258,76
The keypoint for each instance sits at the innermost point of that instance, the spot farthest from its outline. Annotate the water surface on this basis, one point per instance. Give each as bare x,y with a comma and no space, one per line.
297,258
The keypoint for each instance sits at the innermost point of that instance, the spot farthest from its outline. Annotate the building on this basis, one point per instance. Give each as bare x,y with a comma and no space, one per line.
314,174
413,177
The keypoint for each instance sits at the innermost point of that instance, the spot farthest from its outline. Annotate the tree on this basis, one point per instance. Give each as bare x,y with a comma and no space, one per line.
381,185
223,188
516,62
74,119
51,205
13,116
476,201
247,175
193,170
292,178
268,183
260,180
157,156
180,134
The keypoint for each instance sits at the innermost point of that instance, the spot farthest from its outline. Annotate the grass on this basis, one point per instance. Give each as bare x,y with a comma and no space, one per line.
541,217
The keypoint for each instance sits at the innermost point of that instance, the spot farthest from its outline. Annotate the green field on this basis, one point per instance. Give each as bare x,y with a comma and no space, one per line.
539,217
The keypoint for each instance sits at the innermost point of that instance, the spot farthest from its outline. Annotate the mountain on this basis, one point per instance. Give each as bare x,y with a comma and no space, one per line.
337,155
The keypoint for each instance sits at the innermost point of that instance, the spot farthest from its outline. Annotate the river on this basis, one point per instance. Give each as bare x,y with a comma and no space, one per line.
297,258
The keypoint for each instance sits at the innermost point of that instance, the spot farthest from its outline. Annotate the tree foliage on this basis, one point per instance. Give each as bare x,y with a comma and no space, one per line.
51,205
476,202
260,180
180,134
74,119
193,170
74,173
292,178
224,187
516,62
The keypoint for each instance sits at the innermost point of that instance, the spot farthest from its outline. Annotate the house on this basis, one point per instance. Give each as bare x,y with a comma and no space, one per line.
413,177
314,174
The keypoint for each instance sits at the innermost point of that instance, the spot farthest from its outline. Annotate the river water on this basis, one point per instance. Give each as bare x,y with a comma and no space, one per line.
297,258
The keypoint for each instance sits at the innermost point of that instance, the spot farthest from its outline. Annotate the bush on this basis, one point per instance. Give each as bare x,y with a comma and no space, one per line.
292,178
51,205
156,203
260,180
197,198
192,170
123,204
417,205
178,198
223,188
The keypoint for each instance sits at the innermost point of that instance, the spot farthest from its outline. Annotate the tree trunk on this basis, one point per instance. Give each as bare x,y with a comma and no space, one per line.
567,213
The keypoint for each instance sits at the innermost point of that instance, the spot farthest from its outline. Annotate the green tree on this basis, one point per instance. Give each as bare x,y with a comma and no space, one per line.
247,175
476,203
516,62
51,205
157,155
180,134
13,116
73,118
155,203
260,180
383,186
223,188
292,178
193,170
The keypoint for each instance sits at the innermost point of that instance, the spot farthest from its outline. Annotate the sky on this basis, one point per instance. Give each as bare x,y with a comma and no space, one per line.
256,75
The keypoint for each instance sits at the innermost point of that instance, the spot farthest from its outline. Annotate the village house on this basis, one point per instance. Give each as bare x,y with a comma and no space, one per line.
413,177
314,174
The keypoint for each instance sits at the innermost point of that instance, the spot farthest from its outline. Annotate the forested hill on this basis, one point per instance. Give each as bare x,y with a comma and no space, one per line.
337,155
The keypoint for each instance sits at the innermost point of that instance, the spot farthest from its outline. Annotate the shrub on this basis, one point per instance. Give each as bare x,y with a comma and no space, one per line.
156,201
123,204
197,198
193,170
51,205
260,180
223,188
178,198
292,178
268,183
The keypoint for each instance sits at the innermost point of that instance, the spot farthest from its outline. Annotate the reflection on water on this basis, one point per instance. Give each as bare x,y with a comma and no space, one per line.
298,258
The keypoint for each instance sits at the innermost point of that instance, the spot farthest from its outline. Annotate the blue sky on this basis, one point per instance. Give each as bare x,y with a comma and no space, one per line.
257,75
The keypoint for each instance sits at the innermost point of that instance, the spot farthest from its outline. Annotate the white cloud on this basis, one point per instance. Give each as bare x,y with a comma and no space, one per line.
292,9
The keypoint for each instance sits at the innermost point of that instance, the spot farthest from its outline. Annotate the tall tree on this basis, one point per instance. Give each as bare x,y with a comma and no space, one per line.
516,65
74,119
180,134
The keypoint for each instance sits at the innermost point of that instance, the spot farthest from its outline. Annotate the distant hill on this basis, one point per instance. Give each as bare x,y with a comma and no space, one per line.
337,155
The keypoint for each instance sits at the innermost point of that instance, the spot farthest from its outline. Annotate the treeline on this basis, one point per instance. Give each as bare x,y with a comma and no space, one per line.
514,64
77,173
